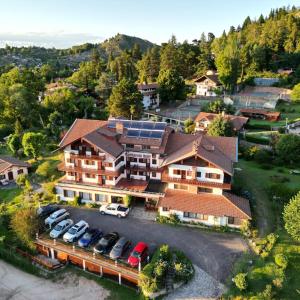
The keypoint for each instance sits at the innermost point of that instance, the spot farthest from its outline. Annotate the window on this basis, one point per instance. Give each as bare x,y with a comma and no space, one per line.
99,197
230,220
213,175
69,194
2,176
180,187
176,172
145,147
204,190
153,174
195,216
130,146
71,174
165,209
20,171
154,161
89,162
109,177
90,175
189,173
120,159
198,174
85,196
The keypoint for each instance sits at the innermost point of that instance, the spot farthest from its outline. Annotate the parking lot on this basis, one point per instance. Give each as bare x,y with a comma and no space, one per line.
211,251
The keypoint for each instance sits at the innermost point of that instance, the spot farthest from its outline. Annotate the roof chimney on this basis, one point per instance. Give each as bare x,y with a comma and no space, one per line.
119,127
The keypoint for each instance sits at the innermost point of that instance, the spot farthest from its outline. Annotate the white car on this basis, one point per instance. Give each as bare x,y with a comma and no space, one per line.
114,209
56,217
4,182
75,231
61,228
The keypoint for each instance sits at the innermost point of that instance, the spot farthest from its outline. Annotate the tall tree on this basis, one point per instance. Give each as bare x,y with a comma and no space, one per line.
220,127
125,100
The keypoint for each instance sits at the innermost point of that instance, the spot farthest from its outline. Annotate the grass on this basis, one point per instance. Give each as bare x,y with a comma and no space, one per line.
263,271
8,194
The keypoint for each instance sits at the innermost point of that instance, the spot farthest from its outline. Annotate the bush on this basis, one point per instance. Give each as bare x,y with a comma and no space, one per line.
262,156
281,260
5,130
21,179
240,281
127,200
256,139
250,152
44,169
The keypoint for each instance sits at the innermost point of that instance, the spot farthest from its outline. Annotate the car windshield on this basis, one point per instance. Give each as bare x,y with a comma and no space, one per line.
72,231
53,217
136,254
58,227
87,236
103,242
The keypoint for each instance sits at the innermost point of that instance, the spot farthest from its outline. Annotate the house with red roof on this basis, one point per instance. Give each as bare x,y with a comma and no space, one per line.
11,168
169,172
208,84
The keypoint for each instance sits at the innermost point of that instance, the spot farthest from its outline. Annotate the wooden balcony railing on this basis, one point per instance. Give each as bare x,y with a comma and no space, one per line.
85,156
64,168
167,178
146,168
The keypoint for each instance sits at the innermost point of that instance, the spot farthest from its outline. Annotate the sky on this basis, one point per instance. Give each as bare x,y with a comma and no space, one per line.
63,23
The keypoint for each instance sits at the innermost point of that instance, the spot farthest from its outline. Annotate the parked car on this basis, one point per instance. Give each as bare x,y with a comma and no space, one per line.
4,182
56,217
45,211
106,242
90,237
76,231
119,248
114,209
138,254
61,228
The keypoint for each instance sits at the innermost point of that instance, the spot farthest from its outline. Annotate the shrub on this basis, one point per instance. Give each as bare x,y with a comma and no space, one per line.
262,156
21,179
44,169
281,260
267,293
278,282
77,201
240,281
127,200
250,152
25,224
257,139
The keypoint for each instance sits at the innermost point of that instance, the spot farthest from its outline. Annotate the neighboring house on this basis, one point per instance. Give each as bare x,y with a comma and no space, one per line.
11,167
167,171
204,119
150,95
294,128
260,114
262,81
208,84
285,71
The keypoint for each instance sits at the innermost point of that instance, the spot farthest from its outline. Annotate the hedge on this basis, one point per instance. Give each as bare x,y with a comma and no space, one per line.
258,126
257,140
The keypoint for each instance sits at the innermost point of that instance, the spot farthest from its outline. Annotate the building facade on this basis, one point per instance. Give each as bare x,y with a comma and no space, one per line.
11,168
168,171
150,95
208,84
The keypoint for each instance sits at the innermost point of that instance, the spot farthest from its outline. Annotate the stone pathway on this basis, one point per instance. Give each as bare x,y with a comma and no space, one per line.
203,286
139,212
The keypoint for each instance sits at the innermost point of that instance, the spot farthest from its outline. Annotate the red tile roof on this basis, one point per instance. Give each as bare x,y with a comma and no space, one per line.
237,121
8,161
145,86
133,185
214,78
80,128
206,203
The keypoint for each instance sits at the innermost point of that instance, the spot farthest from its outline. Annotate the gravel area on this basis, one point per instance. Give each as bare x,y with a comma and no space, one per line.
18,285
203,286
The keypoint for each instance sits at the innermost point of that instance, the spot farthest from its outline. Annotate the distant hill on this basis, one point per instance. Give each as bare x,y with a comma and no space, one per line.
124,42
36,56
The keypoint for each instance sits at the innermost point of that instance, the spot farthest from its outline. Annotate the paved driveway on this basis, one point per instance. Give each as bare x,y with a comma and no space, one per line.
213,252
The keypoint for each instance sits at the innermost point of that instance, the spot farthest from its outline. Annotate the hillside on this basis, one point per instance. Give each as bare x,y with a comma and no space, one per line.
36,56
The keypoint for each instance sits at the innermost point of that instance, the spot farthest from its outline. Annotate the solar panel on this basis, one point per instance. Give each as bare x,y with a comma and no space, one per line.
133,133
136,125
111,123
145,134
160,126
148,125
156,134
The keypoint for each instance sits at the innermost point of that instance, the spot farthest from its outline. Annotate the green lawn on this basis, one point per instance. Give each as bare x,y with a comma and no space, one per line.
263,271
6,195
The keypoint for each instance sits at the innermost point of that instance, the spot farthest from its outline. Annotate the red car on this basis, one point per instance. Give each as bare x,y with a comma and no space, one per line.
139,253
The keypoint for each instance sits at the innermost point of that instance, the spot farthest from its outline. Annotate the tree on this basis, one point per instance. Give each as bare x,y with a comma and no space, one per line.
33,143
288,148
21,179
104,87
14,143
172,86
295,95
240,281
220,127
189,126
45,169
25,224
125,100
291,217
281,260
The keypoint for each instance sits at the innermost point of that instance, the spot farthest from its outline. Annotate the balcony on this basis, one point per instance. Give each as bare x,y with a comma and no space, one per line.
82,155
64,168
166,178
146,168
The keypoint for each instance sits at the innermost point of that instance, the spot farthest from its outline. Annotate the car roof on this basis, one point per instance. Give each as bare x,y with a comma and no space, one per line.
113,204
122,240
81,222
63,222
140,246
58,212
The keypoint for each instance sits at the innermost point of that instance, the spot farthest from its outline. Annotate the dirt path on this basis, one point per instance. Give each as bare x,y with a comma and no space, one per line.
18,285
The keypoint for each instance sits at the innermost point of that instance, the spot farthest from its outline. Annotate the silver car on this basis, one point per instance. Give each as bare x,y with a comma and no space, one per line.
56,217
119,248
61,228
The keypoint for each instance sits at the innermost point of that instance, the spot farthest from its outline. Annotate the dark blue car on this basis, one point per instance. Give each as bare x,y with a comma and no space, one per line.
90,237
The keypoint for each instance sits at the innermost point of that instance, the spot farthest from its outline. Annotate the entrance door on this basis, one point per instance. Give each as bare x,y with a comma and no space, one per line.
183,174
10,175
